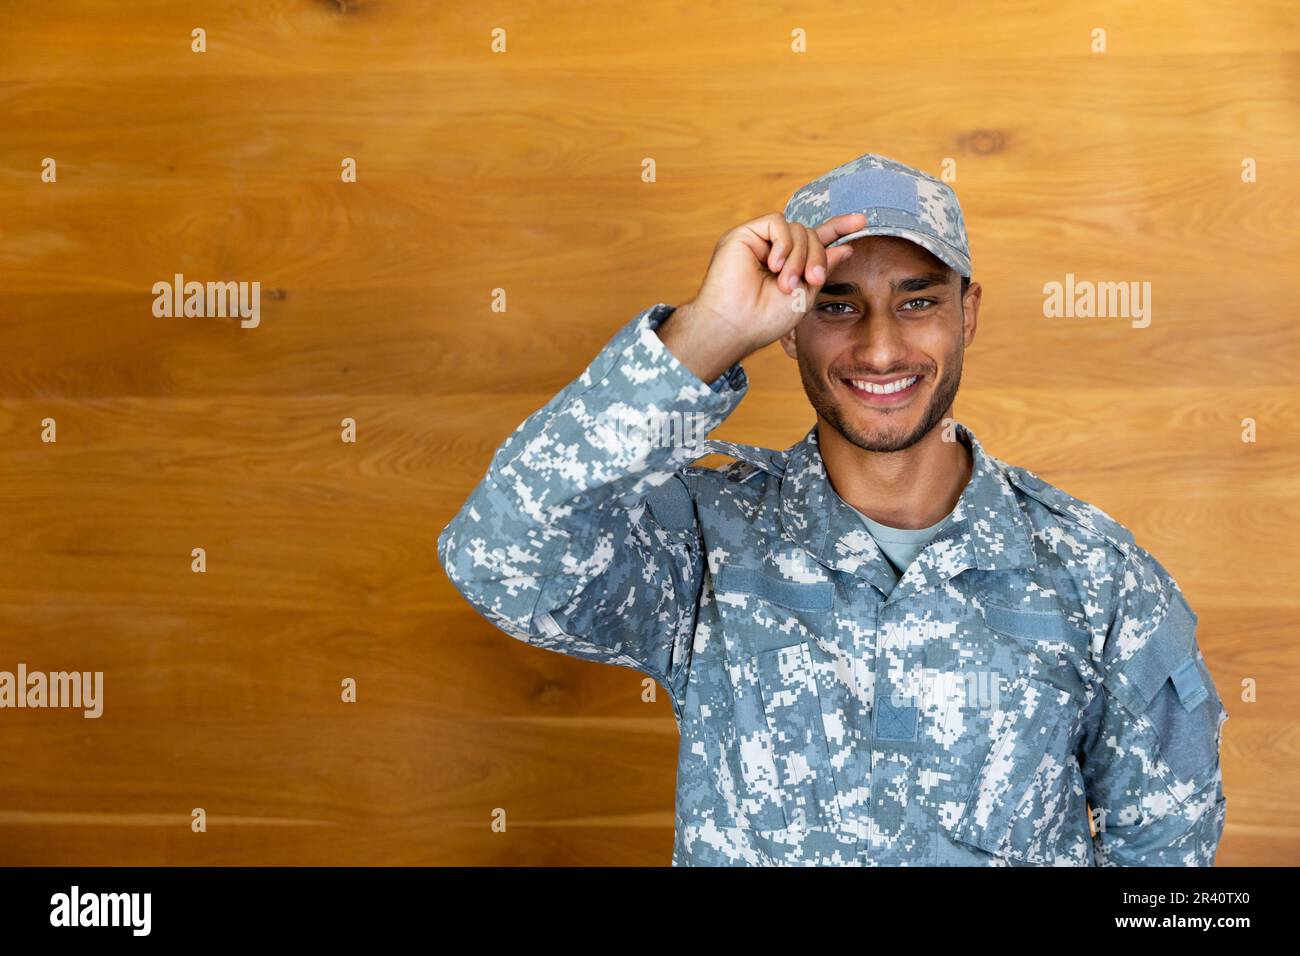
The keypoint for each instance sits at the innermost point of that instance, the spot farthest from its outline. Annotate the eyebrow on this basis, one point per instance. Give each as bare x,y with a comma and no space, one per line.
915,283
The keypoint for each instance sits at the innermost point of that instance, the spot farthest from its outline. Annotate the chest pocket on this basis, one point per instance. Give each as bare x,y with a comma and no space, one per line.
771,730
1015,604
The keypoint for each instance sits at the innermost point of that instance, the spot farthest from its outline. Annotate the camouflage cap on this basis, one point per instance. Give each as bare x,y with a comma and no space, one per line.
898,201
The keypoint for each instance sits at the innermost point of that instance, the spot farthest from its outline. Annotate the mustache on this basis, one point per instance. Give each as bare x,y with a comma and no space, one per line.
864,373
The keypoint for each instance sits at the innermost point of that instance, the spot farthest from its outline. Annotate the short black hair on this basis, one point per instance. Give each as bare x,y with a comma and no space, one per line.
965,284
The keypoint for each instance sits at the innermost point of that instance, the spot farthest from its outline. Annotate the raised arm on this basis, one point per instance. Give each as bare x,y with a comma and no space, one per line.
582,536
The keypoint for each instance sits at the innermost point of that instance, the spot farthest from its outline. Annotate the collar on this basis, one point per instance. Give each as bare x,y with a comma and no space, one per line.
987,530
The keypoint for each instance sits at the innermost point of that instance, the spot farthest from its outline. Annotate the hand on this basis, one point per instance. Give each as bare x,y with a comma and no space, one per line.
763,278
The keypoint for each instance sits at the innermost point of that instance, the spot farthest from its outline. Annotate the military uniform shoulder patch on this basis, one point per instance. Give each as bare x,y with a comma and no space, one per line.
672,505
1073,509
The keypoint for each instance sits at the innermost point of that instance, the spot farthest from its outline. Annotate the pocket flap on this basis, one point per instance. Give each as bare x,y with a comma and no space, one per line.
796,595
1169,648
1187,682
1036,625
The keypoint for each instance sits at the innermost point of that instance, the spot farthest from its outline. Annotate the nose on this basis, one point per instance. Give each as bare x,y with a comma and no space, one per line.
878,344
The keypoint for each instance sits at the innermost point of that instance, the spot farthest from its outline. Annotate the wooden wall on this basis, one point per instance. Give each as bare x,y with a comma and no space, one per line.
522,170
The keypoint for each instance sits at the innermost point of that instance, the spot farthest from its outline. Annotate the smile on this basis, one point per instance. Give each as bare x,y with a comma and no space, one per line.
884,393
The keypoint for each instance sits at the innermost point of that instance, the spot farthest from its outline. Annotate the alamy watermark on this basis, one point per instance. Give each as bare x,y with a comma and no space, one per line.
672,429
76,689
1084,299
208,300
978,690
75,908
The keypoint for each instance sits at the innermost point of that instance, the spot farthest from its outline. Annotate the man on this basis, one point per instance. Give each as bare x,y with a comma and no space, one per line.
884,646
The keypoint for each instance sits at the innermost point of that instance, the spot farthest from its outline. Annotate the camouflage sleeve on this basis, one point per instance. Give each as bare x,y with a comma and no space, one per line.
1150,754
582,536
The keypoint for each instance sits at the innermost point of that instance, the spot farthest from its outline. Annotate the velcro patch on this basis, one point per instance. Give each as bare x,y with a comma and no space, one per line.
671,504
869,188
798,596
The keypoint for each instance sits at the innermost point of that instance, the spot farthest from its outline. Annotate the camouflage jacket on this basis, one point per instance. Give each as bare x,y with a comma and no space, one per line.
1033,663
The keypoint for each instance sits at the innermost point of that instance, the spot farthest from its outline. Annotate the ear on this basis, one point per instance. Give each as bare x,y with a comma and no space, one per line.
788,343
971,312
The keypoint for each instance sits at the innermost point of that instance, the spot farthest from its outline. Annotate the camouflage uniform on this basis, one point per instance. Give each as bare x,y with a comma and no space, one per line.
1033,656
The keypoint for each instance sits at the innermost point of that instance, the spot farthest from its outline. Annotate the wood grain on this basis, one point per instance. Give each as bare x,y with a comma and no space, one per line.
522,171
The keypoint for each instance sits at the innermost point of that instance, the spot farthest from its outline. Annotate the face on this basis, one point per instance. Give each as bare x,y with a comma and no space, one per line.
880,351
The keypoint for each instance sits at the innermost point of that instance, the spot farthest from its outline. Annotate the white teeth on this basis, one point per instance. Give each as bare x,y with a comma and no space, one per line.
888,389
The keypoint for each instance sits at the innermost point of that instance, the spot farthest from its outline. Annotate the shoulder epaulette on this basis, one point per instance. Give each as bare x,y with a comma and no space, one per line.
761,459
1074,509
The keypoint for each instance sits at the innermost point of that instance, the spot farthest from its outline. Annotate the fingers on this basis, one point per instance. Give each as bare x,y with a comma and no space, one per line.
797,253
818,268
788,250
779,232
840,226
833,229
792,271
808,253
837,255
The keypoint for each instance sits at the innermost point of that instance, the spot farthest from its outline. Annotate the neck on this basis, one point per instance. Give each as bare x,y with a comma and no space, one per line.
913,488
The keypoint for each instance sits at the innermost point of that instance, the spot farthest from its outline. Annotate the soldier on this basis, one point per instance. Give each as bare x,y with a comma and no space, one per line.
884,646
